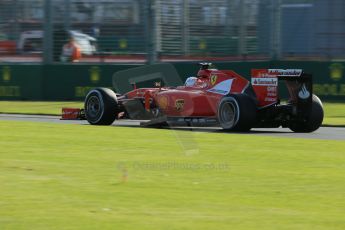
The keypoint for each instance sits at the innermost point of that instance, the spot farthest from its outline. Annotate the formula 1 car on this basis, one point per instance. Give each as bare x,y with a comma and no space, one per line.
215,97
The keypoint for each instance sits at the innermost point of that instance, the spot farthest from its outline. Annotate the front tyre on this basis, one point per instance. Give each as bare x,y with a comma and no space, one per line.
237,113
101,107
313,120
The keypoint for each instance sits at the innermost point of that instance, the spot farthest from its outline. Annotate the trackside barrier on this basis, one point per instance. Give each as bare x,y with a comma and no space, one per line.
72,82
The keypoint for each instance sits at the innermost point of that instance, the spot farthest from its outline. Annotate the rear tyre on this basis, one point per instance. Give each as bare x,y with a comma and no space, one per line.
237,113
314,118
101,107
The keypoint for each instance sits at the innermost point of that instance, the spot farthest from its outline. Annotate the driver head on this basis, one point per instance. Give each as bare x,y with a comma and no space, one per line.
190,81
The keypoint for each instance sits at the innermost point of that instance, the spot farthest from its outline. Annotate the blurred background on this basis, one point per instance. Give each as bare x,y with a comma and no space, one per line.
114,35
147,31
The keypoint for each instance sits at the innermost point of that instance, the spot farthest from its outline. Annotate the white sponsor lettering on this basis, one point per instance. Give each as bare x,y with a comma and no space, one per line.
265,75
270,99
265,81
272,89
271,94
286,72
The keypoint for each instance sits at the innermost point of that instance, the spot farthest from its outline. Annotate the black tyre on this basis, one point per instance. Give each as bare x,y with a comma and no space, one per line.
101,106
237,113
313,120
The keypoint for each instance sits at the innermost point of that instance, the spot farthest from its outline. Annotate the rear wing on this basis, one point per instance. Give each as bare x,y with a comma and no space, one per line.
281,73
298,83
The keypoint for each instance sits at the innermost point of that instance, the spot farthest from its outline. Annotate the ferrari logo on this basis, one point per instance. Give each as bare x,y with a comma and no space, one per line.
179,103
213,79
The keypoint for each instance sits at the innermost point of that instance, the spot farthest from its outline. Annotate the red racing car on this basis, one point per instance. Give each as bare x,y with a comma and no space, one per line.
212,97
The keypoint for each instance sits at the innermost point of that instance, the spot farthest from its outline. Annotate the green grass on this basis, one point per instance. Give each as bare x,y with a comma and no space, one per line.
55,176
334,112
37,107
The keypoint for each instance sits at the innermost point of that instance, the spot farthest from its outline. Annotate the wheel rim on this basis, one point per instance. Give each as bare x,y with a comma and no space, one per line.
93,108
227,115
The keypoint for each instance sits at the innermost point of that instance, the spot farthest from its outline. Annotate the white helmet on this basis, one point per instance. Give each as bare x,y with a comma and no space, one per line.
190,81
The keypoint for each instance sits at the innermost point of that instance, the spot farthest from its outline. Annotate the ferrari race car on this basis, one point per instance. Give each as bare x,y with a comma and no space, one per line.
212,97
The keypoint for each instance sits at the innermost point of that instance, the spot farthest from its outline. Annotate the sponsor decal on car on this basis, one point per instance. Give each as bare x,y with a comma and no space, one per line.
270,99
179,104
213,79
272,81
285,72
163,102
265,85
71,113
303,93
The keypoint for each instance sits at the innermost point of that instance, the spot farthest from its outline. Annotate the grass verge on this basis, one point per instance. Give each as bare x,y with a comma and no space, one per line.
37,107
56,176
334,114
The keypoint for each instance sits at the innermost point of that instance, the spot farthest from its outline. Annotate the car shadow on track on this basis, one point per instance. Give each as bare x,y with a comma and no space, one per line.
208,129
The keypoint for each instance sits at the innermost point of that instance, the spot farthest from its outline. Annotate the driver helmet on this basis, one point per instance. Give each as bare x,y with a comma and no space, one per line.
190,81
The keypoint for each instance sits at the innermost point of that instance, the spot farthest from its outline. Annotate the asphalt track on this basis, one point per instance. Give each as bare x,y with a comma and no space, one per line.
323,133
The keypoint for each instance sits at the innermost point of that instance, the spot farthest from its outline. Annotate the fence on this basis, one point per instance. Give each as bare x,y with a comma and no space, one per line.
139,31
